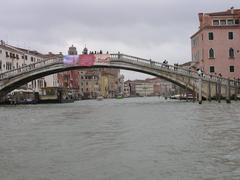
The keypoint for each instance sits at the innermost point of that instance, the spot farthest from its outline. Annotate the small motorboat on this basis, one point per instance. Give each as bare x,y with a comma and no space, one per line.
99,98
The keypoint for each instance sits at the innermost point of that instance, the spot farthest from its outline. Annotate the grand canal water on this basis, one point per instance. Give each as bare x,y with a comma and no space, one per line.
125,139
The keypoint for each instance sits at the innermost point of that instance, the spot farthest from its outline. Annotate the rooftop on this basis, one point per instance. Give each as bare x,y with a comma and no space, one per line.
229,12
20,50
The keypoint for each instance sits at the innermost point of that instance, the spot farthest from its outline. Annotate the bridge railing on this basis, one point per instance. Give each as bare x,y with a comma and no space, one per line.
120,57
154,64
171,68
30,67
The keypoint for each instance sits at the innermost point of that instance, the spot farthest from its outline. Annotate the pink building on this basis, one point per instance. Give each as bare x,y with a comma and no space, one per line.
216,45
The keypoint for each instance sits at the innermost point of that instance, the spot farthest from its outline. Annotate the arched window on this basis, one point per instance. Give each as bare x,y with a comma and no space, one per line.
211,54
231,53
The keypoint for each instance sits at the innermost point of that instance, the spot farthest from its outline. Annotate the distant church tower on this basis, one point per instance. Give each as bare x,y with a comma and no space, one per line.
85,50
72,50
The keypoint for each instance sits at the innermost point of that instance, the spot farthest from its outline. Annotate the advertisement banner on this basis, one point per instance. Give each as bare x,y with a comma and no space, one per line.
87,60
102,59
71,59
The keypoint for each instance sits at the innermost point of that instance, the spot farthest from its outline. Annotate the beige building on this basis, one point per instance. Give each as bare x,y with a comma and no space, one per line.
99,82
89,83
103,82
126,92
144,88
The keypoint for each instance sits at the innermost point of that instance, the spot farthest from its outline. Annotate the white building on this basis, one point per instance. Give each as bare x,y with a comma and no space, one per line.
144,88
14,57
126,90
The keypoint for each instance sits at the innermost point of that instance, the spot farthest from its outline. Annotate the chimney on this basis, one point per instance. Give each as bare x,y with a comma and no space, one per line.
232,10
200,17
2,43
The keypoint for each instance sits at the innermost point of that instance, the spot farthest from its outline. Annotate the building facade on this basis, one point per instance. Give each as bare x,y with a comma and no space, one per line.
88,83
12,57
70,80
126,90
144,88
132,87
149,87
215,46
92,83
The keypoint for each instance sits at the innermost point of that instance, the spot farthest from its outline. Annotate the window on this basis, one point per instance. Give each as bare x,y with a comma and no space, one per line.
223,22
8,66
7,54
26,57
216,22
211,54
31,59
230,35
236,21
210,35
231,53
212,70
230,21
0,51
0,65
231,68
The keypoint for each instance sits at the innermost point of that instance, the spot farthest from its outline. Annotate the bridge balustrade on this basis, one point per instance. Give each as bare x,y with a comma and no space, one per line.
30,67
121,58
154,64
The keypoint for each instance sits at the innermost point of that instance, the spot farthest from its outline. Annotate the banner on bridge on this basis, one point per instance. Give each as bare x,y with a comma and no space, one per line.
71,59
102,59
87,60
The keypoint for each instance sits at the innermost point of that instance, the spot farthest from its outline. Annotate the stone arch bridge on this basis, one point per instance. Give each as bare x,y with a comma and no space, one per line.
206,87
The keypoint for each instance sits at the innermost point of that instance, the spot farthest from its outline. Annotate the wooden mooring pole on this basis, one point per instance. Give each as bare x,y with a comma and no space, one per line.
194,92
228,92
200,90
235,89
218,89
209,91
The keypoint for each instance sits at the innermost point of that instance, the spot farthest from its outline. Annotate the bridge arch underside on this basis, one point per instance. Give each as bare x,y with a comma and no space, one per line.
16,82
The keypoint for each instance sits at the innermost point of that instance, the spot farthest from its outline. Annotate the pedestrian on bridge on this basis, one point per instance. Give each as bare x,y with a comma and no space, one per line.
176,66
199,71
165,63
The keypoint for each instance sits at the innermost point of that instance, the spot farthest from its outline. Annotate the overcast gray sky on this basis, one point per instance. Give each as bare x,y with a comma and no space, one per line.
156,29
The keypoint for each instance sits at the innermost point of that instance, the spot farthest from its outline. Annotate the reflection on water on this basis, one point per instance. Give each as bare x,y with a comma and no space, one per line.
136,138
